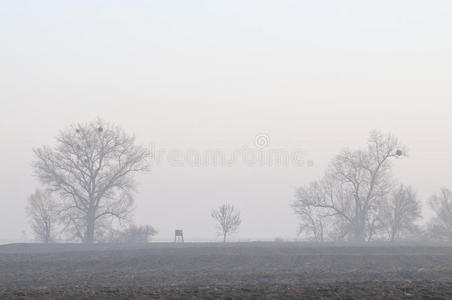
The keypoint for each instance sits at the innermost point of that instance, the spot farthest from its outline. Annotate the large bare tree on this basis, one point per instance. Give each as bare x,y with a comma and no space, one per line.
440,226
92,169
43,212
227,218
356,183
400,212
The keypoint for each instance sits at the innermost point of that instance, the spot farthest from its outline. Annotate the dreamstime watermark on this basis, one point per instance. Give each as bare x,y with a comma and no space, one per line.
258,155
262,141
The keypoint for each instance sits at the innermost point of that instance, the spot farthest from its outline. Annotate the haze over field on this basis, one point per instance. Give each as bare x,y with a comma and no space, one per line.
191,76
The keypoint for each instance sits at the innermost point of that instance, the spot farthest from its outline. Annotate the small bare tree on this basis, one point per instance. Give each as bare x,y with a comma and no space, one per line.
92,169
400,212
312,218
43,212
440,226
228,219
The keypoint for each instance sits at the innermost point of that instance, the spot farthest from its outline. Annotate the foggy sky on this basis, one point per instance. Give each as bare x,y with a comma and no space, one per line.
200,75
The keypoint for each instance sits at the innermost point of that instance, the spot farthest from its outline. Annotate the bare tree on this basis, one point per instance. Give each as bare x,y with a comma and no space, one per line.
356,183
92,169
440,226
228,219
400,212
312,218
43,212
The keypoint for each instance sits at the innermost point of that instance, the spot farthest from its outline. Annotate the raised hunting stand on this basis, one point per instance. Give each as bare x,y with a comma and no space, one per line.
179,236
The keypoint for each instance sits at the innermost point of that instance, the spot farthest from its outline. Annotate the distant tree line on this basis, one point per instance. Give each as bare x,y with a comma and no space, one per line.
88,180
357,199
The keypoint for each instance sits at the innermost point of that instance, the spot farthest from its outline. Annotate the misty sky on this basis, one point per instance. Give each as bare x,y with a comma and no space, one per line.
200,75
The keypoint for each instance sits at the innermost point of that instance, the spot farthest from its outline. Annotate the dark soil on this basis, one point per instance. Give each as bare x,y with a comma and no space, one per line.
345,290
231,271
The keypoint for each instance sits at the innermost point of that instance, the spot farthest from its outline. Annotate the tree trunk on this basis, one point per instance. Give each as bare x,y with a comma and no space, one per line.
47,233
90,222
321,231
224,237
393,233
360,234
